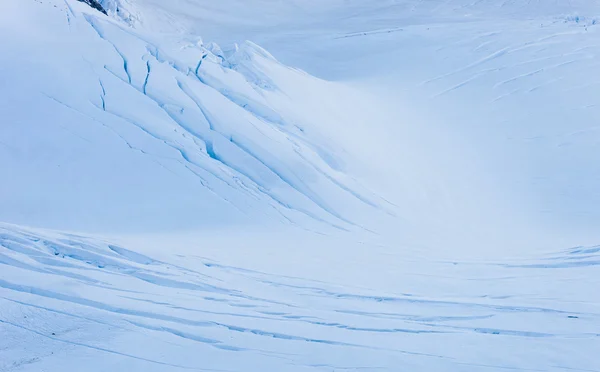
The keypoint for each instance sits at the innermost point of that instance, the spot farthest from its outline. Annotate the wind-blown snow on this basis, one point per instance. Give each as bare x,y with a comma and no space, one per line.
299,185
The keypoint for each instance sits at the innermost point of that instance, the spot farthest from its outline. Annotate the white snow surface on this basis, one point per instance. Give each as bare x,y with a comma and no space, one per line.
300,185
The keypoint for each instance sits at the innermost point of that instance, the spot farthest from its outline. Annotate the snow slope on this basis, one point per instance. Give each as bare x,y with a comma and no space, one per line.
166,134
71,302
476,106
365,185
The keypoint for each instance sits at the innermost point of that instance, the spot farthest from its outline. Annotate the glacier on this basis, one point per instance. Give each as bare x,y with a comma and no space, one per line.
321,185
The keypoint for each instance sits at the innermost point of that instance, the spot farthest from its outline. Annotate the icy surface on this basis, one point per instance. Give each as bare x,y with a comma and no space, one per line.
164,132
70,302
325,185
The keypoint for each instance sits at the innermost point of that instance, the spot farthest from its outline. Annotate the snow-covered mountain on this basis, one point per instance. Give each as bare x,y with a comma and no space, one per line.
158,131
263,185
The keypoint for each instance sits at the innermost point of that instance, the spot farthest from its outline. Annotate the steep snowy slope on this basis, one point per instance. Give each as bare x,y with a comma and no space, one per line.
484,113
463,107
423,198
157,132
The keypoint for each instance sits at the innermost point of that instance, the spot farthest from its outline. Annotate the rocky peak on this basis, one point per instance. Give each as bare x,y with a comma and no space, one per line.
95,4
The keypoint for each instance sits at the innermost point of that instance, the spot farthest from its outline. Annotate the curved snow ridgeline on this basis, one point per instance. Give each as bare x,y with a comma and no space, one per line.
219,124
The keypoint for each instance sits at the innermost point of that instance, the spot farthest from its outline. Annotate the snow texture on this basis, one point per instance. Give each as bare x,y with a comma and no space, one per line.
69,301
302,185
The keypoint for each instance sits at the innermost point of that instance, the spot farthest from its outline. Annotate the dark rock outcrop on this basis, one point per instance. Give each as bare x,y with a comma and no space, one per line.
95,4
